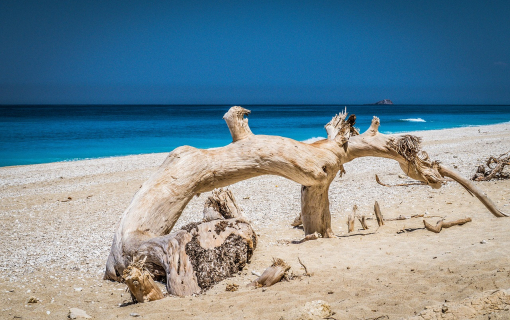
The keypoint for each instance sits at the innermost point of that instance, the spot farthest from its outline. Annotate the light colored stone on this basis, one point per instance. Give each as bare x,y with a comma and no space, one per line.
75,313
317,308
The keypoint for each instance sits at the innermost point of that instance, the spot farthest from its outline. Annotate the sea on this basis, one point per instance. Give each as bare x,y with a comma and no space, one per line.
51,133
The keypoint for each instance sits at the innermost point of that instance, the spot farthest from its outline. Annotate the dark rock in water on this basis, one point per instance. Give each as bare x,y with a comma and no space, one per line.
385,101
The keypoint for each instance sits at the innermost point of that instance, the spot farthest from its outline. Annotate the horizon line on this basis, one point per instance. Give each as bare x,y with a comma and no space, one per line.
252,105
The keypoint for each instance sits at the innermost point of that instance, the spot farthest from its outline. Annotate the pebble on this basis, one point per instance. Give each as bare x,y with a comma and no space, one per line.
318,308
75,313
134,314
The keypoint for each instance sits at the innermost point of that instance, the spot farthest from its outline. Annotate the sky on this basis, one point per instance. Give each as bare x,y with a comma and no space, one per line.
254,52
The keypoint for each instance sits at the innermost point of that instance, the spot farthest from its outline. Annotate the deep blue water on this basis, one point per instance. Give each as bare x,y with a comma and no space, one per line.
41,134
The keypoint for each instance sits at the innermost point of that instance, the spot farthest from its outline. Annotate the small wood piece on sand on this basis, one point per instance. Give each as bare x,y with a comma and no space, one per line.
363,222
495,167
350,223
304,267
443,224
297,221
378,214
361,218
273,274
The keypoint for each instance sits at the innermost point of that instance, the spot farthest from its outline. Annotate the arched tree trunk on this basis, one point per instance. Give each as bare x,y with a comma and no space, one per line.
145,225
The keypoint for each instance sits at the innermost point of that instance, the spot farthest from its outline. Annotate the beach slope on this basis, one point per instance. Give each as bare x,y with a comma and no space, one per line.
59,220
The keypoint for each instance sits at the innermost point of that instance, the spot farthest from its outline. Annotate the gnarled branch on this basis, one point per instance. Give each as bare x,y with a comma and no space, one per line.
144,228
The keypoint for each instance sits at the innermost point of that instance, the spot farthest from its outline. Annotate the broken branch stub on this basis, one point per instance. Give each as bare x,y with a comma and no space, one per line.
350,223
221,205
378,214
363,222
237,123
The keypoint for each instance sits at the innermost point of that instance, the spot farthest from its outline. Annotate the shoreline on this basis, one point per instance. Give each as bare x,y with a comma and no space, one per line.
60,217
309,140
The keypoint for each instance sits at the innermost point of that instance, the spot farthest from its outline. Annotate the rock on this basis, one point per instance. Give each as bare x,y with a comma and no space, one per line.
75,313
33,299
134,314
385,101
317,309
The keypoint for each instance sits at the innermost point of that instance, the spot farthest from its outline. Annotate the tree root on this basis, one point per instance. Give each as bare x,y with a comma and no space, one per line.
443,224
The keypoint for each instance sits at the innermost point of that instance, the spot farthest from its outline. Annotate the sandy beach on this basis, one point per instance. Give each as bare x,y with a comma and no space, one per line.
58,221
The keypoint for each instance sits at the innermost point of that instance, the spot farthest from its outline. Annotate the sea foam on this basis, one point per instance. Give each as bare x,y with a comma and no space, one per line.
413,120
312,140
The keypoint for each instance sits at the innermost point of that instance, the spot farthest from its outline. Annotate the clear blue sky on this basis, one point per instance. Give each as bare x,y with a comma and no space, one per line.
254,52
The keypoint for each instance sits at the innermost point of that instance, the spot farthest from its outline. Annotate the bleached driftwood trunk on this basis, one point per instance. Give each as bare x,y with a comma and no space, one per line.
187,171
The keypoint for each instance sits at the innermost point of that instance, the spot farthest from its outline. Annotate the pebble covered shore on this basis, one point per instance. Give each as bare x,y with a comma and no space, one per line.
58,219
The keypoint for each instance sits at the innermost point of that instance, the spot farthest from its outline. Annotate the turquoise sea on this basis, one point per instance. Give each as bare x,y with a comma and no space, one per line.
41,134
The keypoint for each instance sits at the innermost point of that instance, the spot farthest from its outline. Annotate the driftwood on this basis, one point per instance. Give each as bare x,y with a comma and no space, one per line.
363,222
441,224
350,223
272,275
307,274
141,283
495,166
221,205
378,214
297,222
401,217
145,226
308,237
361,218
199,255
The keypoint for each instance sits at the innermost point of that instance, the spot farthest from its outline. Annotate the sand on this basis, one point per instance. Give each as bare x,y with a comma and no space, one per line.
58,221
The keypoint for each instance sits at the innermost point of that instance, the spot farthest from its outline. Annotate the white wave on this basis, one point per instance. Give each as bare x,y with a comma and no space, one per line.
413,120
312,140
